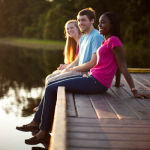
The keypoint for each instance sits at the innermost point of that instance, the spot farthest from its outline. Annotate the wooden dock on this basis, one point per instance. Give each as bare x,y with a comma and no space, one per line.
114,120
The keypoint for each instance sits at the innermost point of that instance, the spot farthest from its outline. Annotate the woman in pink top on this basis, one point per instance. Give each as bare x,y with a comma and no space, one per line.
109,56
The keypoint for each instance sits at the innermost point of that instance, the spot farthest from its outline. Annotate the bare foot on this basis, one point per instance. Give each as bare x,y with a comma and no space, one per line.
35,109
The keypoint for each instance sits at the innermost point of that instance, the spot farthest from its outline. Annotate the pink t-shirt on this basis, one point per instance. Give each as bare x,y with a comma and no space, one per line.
107,65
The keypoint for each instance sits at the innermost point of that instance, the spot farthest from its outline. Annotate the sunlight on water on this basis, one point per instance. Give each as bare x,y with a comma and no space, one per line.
12,103
11,116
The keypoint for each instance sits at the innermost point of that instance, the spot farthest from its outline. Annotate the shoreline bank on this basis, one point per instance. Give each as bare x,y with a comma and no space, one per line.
33,43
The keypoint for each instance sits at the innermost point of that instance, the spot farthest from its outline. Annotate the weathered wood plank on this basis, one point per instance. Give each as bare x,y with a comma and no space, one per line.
82,100
146,77
109,130
108,144
144,102
59,134
84,106
108,125
142,82
132,103
101,107
121,110
71,111
147,74
107,136
107,121
77,148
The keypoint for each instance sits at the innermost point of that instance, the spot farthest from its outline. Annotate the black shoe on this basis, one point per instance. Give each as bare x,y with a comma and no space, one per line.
39,148
26,128
34,140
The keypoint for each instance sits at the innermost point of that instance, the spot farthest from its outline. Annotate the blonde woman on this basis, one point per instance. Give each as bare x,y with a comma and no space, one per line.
71,50
73,36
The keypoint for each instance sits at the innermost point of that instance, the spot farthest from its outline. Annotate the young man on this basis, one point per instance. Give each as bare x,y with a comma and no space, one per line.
89,44
86,59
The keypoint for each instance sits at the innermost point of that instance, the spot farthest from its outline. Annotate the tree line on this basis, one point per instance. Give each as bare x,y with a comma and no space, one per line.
45,20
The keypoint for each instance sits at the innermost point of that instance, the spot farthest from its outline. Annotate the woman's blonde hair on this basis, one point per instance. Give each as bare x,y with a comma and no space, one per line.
71,44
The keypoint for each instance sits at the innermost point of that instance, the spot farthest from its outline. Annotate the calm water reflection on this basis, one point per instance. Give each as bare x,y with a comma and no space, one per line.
22,74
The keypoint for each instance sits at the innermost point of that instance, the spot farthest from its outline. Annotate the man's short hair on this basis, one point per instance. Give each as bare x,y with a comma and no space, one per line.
89,12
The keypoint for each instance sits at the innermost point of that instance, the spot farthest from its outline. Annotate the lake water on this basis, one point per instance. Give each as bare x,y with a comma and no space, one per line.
22,74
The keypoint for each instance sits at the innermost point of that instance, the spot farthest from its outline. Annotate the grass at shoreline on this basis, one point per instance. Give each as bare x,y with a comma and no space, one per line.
34,43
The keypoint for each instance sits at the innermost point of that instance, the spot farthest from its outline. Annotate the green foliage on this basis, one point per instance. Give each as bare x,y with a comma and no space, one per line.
56,17
45,20
136,56
22,18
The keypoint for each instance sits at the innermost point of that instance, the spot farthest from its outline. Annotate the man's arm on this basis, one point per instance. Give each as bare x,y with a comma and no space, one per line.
86,66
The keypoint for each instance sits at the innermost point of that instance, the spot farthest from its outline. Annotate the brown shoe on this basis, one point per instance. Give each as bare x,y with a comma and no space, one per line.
26,128
34,140
39,148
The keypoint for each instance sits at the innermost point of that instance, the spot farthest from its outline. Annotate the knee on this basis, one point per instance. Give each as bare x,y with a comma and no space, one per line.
47,78
48,89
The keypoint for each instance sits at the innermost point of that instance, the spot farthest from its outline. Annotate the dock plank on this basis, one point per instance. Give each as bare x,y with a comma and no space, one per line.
144,102
124,130
121,110
132,103
108,125
142,82
77,148
108,144
71,111
146,77
101,107
108,136
114,120
84,106
108,121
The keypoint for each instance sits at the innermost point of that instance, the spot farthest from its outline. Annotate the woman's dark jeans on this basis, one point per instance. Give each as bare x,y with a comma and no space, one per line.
81,84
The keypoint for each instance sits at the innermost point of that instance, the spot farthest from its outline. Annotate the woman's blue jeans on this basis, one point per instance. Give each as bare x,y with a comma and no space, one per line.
81,84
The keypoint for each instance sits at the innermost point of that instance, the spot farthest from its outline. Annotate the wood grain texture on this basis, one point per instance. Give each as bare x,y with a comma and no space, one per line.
144,102
108,136
108,144
108,125
144,76
121,110
124,130
108,121
134,105
70,111
78,148
84,106
102,108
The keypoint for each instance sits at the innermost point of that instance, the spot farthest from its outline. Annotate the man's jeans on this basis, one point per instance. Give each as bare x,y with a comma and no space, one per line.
81,84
